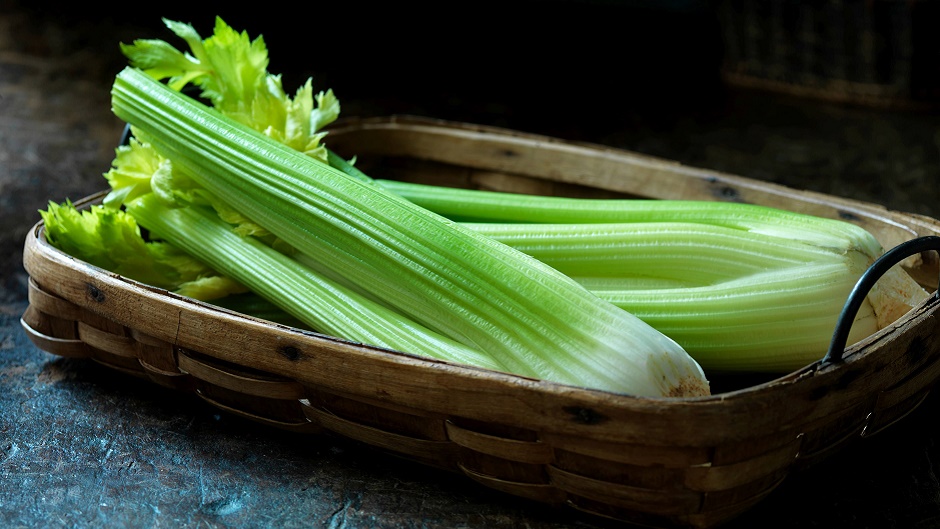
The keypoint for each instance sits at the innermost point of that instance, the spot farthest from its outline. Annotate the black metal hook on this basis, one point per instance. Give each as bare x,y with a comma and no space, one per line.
865,284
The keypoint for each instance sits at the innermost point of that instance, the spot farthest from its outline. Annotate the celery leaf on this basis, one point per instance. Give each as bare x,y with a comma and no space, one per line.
111,239
231,70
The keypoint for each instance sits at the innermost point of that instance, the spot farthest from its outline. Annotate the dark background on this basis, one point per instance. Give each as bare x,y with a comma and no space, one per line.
834,97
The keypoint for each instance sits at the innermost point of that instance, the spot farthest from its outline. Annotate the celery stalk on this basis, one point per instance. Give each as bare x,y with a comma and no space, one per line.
531,318
730,297
325,306
693,253
774,321
472,205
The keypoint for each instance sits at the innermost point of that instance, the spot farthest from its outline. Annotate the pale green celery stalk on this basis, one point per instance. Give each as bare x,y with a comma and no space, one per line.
472,205
324,306
531,318
731,298
775,321
697,254
596,284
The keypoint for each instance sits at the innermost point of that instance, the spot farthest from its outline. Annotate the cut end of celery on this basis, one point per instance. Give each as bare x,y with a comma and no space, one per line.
894,295
865,323
690,386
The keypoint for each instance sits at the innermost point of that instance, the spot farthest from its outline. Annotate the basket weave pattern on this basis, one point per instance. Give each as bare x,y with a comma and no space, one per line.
661,462
695,485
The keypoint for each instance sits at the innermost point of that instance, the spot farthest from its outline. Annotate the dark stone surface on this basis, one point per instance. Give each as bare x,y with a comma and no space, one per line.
82,446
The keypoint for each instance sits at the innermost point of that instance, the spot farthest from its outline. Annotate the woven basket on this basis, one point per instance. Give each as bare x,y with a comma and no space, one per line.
660,462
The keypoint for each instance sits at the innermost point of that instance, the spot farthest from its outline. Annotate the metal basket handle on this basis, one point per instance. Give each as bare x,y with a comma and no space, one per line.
865,284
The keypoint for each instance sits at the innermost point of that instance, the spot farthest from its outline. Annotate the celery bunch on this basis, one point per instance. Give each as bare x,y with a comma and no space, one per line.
527,316
311,224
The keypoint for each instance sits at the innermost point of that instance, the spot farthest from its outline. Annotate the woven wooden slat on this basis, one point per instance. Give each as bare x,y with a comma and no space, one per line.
719,501
437,453
278,414
529,452
543,492
48,340
637,454
724,477
255,384
107,342
669,500
658,462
